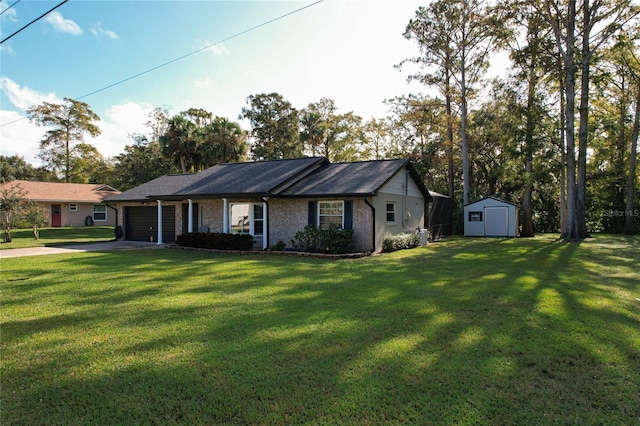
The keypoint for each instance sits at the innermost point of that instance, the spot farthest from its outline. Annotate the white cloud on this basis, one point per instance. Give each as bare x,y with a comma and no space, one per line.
8,14
118,123
18,136
21,137
24,97
201,83
215,49
8,50
100,32
63,25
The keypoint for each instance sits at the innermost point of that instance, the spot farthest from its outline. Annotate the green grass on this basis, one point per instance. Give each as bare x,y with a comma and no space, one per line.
23,238
466,331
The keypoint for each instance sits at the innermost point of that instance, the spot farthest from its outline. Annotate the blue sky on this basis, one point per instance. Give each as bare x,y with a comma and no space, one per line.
344,50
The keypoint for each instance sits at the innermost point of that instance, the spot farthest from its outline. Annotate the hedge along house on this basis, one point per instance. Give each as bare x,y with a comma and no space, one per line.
490,217
272,200
68,204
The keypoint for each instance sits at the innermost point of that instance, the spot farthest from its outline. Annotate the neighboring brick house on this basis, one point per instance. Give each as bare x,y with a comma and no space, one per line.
272,200
69,204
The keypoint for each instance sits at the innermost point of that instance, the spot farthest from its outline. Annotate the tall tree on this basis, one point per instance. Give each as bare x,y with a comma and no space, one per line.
224,141
573,26
376,135
433,32
15,168
600,20
274,127
530,50
69,123
462,34
141,162
89,166
313,129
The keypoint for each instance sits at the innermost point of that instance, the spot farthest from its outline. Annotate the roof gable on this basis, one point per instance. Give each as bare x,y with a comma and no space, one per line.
490,199
351,179
62,192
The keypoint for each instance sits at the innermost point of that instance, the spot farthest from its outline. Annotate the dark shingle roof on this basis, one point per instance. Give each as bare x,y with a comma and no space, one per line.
259,178
233,179
350,179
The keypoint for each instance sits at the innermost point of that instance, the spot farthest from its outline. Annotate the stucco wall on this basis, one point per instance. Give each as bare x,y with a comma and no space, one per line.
77,218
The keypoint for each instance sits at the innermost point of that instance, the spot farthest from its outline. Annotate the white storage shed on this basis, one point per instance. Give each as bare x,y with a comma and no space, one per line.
490,217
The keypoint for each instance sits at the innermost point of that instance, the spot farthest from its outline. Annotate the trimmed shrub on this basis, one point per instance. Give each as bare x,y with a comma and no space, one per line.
279,246
400,242
215,241
333,240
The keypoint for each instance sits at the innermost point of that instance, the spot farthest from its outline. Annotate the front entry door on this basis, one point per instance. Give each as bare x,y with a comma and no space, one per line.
56,215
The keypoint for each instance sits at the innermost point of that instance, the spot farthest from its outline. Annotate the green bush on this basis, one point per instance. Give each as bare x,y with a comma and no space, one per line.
333,239
216,241
279,246
400,242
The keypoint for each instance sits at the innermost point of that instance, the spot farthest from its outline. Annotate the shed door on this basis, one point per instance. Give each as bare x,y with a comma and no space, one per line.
496,221
141,224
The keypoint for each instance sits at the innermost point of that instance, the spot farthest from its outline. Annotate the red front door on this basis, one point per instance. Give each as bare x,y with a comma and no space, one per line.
56,215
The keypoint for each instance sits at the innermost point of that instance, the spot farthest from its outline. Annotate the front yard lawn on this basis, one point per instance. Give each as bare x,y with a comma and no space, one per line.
23,238
465,331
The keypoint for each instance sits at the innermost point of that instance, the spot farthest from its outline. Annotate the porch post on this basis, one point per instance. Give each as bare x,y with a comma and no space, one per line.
159,221
190,213
265,226
225,216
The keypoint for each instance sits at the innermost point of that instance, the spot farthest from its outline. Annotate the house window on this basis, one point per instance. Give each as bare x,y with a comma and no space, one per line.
240,218
99,213
247,219
73,207
475,216
391,212
258,219
330,213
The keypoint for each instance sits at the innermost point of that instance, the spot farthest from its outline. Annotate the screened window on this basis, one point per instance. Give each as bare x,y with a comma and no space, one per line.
73,207
391,212
330,213
475,216
99,212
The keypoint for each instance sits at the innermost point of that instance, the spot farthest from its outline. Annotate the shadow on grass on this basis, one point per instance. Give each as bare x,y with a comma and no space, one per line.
466,331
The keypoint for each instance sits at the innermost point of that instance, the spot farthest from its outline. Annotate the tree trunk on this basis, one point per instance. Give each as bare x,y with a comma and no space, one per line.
631,178
527,209
563,163
463,132
449,133
67,158
571,230
583,132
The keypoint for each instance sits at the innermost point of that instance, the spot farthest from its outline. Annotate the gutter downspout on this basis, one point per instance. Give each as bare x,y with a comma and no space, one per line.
373,224
115,228
106,203
265,226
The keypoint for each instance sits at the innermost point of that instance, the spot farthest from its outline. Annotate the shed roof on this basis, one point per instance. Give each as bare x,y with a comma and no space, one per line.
490,198
62,192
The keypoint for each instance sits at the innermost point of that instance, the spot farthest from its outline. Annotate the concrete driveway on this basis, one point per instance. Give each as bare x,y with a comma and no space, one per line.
77,248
